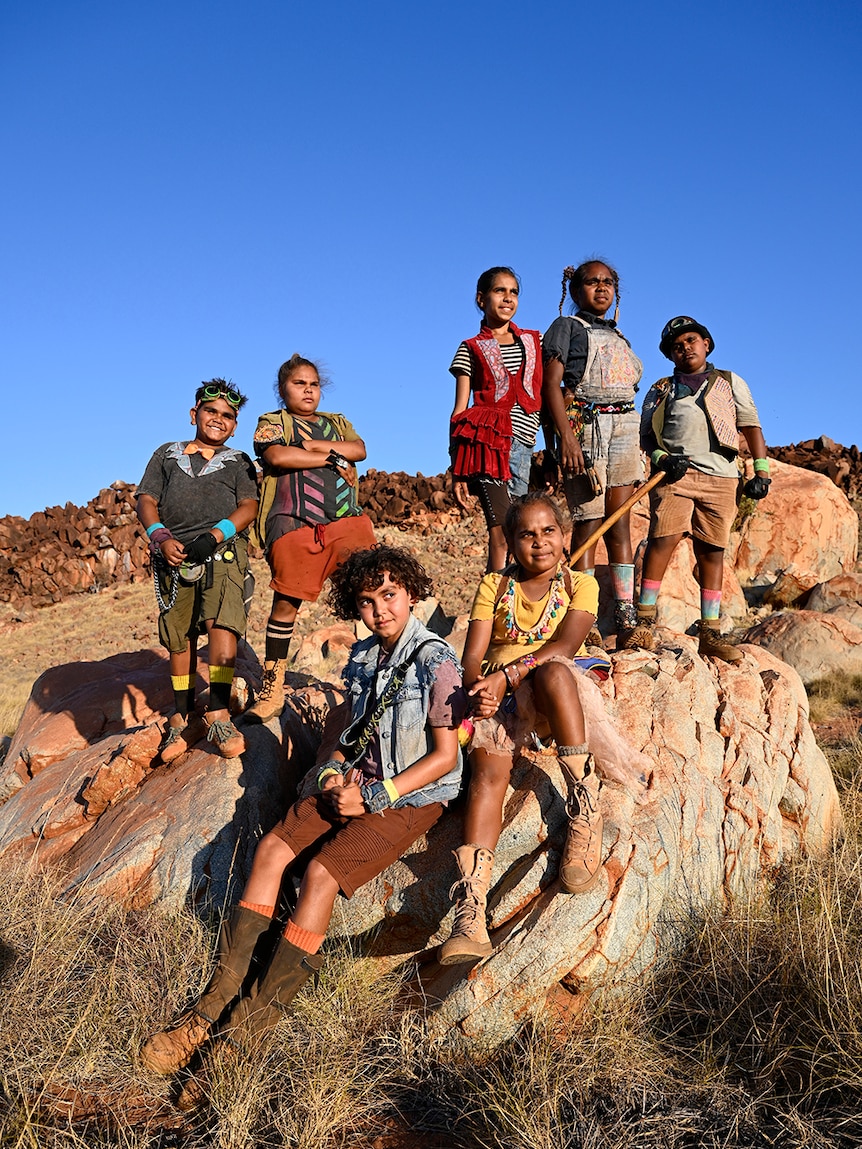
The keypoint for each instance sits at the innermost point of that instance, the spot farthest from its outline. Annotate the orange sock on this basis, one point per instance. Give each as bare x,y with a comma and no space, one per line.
267,911
303,939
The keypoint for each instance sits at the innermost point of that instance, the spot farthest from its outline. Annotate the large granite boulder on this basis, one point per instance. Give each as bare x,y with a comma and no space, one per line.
734,786
813,643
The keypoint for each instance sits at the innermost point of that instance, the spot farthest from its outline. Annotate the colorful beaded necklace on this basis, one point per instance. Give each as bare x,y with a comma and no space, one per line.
545,623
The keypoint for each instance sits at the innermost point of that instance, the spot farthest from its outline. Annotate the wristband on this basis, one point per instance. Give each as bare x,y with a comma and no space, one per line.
333,766
657,456
334,460
155,527
160,535
226,527
761,466
379,796
530,661
511,686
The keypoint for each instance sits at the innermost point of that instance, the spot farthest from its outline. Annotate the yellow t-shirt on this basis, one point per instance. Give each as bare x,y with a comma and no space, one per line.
503,649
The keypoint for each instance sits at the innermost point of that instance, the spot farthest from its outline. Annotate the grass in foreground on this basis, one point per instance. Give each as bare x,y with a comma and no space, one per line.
750,1037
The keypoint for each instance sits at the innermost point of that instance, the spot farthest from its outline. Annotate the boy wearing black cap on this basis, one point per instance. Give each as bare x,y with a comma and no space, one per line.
690,427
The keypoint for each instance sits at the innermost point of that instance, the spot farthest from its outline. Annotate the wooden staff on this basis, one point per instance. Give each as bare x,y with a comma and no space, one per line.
635,497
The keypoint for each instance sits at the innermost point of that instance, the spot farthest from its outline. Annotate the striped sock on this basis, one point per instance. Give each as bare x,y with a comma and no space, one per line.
221,680
183,686
649,592
710,603
278,636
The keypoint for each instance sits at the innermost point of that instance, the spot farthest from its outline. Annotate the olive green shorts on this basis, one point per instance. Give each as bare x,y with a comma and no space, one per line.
197,604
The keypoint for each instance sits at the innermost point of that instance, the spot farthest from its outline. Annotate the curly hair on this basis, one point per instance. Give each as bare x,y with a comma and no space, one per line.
287,369
573,280
365,570
532,499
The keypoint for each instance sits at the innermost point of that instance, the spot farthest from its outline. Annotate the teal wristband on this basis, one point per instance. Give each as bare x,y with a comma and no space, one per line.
226,527
761,466
151,530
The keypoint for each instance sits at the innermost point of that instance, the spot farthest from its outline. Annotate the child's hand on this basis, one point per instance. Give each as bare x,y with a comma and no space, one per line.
346,799
487,694
173,552
462,496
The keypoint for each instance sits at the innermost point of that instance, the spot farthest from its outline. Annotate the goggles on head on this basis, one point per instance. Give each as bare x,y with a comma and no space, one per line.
215,391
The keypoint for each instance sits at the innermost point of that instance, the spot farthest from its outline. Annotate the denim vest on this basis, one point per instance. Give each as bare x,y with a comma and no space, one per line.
612,371
404,734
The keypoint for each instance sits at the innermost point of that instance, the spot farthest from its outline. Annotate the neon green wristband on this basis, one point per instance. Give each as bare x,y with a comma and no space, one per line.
389,787
761,466
324,774
657,456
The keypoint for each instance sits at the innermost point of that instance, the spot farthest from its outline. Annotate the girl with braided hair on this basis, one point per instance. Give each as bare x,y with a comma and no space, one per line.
492,440
591,375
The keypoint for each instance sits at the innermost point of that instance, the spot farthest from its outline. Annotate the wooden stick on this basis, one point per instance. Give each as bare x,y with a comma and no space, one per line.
635,497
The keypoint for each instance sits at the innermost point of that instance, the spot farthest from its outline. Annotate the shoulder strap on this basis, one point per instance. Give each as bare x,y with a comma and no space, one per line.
370,721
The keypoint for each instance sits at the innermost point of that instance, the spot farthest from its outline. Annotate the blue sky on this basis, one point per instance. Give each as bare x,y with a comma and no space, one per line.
193,189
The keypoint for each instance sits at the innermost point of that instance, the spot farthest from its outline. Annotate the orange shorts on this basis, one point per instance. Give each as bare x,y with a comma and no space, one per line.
702,504
302,560
354,850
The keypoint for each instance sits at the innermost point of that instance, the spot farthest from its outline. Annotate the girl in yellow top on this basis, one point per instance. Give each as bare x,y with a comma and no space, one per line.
527,625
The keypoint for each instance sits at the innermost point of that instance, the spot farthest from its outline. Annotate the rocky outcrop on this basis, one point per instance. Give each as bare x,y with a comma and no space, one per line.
736,786
842,465
813,643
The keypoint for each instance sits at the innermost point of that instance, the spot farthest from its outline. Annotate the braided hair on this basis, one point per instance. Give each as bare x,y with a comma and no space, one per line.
573,281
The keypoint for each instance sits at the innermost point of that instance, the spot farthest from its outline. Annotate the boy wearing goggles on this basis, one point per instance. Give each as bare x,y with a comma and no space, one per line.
195,502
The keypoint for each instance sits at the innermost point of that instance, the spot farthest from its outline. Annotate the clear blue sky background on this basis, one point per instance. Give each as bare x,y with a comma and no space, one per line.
193,189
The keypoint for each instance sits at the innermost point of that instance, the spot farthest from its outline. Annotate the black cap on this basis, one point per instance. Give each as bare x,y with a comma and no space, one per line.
678,326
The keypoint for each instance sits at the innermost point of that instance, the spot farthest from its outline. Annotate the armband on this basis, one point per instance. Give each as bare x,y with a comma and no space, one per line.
379,796
226,527
657,455
761,466
155,527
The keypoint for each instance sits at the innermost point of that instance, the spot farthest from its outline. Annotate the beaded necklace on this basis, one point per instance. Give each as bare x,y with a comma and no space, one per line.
545,623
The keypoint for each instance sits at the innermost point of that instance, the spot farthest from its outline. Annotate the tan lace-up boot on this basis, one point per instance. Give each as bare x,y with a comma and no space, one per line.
712,644
640,636
270,698
581,862
469,938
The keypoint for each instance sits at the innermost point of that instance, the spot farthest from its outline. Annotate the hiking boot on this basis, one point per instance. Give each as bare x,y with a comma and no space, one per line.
581,861
252,1017
469,938
180,735
713,645
594,638
640,636
172,1050
223,734
270,698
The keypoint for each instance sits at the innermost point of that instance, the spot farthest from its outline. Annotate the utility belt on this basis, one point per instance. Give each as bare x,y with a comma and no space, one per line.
188,574
580,412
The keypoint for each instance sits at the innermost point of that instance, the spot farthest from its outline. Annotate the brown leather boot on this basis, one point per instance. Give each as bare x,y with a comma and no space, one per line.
713,645
252,1017
270,697
469,938
581,861
180,735
173,1049
640,636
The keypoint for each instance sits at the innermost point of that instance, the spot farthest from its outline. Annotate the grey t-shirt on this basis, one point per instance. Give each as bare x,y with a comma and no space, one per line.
192,492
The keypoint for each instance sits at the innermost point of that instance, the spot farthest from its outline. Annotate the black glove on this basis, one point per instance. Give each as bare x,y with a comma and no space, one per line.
758,487
201,548
674,466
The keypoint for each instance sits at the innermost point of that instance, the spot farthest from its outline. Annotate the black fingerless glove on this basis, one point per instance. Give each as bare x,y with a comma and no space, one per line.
201,548
674,466
757,488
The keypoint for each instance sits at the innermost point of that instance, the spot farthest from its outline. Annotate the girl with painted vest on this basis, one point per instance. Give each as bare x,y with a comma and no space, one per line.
690,427
591,376
492,441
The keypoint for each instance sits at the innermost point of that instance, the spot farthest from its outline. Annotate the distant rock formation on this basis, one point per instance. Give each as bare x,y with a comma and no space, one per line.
63,551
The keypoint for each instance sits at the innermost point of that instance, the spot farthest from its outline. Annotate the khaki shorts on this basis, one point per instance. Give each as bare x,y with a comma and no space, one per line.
702,504
613,443
196,604
302,560
355,850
